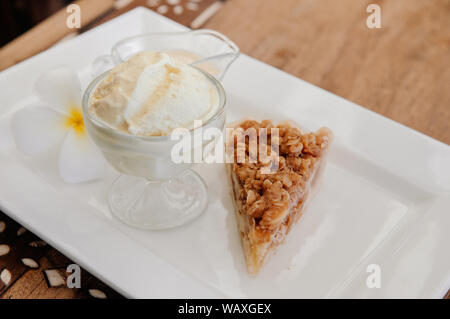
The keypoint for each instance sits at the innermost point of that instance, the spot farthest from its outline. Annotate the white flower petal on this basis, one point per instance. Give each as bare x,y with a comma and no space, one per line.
60,88
80,160
37,129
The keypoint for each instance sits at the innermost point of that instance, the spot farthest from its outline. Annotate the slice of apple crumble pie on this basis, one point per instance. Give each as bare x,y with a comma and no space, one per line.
269,202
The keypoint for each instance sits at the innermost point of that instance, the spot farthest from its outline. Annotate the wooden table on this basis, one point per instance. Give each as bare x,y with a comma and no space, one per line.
401,71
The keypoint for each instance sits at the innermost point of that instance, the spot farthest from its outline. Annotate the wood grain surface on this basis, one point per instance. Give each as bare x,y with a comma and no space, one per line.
401,71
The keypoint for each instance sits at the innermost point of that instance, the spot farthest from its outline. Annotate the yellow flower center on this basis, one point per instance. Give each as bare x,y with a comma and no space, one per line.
75,120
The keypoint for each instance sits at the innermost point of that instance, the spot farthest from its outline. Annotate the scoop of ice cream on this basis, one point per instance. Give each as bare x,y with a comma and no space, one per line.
152,94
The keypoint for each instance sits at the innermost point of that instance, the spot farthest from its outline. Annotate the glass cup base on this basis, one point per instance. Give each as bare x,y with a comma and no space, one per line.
155,205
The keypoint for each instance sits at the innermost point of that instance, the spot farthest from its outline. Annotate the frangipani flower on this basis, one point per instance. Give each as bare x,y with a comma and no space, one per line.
36,129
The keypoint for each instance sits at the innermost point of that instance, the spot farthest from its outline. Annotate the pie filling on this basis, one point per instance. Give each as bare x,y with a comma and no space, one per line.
268,204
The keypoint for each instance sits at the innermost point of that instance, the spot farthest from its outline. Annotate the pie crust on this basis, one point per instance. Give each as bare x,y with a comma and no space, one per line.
267,205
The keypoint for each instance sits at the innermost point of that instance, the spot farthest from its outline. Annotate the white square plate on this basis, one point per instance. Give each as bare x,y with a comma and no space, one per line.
385,198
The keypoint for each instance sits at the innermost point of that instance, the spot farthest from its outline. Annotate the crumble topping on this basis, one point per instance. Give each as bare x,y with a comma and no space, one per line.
267,198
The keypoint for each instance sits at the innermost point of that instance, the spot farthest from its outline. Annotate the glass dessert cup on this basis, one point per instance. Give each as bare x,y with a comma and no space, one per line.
207,49
153,191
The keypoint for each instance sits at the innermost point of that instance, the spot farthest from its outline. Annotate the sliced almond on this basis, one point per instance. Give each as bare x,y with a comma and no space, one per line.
119,4
4,250
54,278
5,276
97,294
2,226
178,10
21,231
38,243
30,263
162,9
